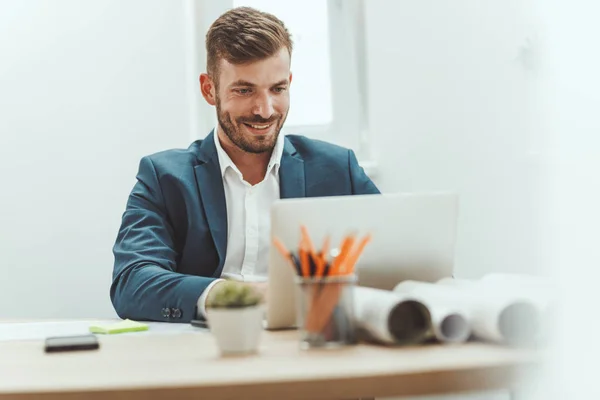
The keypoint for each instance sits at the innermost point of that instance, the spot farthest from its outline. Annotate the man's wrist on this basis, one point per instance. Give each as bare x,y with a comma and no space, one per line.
201,303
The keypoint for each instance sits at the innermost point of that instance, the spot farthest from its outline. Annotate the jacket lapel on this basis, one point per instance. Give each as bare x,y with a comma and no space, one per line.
292,182
212,194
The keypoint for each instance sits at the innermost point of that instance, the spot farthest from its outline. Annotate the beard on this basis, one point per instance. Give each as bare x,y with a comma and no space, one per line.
248,142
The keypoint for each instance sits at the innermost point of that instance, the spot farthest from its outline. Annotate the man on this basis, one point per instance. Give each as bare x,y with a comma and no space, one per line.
200,214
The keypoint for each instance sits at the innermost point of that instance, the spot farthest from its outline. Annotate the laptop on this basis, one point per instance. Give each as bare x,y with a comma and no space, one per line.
413,238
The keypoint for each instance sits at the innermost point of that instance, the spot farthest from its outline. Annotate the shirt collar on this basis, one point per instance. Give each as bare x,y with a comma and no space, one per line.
225,161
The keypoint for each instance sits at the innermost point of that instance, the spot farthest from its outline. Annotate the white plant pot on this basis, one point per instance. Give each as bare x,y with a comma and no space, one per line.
236,330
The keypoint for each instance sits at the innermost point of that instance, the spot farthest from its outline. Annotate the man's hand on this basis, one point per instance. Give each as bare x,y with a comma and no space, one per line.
260,287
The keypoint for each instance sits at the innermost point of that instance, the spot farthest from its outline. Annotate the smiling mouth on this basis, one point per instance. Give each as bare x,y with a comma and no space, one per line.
258,127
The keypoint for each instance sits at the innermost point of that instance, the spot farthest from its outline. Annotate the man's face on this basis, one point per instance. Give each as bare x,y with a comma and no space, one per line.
253,101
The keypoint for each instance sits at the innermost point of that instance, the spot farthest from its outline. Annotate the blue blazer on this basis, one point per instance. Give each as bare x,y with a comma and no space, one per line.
173,236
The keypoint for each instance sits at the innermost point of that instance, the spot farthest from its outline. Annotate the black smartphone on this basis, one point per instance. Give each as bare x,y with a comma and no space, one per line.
199,323
71,343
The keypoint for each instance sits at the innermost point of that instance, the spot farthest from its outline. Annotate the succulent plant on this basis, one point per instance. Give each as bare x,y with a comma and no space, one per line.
232,294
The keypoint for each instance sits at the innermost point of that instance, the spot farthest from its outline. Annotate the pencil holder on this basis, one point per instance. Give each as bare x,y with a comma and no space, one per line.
325,311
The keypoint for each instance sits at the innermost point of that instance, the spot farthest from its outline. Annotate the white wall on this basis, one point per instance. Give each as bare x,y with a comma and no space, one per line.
86,89
573,189
453,106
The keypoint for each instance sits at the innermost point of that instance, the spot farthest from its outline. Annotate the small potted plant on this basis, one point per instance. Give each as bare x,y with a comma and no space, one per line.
235,317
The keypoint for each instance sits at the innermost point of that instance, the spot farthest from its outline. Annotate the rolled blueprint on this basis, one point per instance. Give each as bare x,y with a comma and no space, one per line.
389,318
539,291
449,324
494,316
536,289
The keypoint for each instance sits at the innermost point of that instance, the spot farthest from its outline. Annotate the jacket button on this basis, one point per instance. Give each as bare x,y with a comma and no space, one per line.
176,313
166,312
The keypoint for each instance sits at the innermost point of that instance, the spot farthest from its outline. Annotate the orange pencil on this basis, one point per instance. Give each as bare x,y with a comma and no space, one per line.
287,255
315,305
306,237
281,247
304,258
311,251
338,263
322,260
352,258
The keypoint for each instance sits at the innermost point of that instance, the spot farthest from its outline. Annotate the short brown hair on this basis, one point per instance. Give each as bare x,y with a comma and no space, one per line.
242,35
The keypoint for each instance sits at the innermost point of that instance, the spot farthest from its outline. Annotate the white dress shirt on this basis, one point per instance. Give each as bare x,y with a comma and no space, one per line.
248,219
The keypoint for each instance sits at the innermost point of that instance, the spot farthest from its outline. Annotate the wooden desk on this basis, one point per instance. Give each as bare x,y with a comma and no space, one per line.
187,365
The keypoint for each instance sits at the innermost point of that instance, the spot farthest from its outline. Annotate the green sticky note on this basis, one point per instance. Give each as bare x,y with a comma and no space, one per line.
119,327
